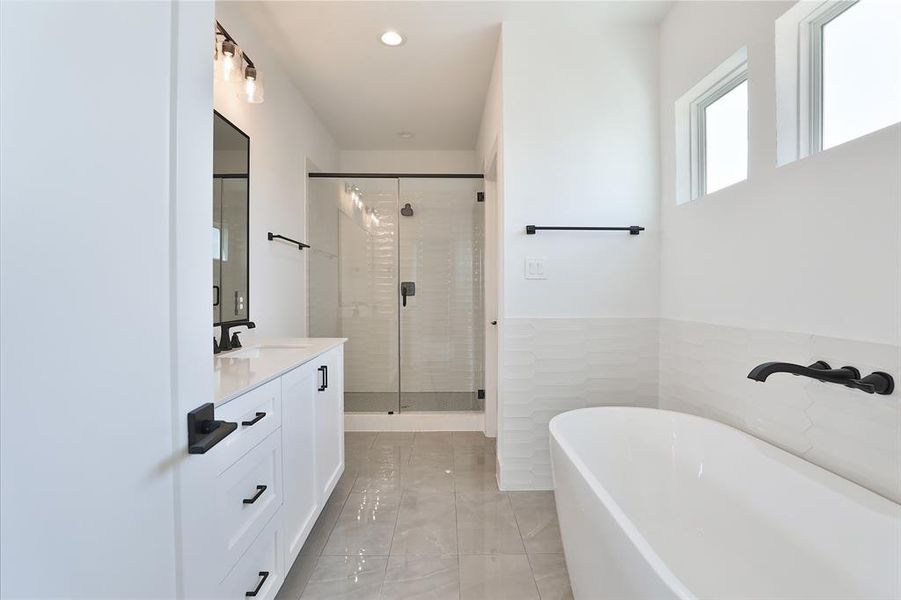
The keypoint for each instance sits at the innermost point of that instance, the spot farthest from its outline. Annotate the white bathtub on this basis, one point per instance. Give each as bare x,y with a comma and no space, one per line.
658,504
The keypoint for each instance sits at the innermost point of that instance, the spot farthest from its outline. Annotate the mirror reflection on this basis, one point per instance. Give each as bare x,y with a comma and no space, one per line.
231,208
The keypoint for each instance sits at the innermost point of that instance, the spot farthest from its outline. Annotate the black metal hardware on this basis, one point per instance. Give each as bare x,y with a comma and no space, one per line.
254,421
632,229
494,322
204,431
480,196
216,301
324,370
265,576
407,210
274,236
407,288
480,395
221,30
399,175
225,343
215,346
877,382
235,341
255,497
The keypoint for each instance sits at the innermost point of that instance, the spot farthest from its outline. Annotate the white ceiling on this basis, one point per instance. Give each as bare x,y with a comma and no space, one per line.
434,85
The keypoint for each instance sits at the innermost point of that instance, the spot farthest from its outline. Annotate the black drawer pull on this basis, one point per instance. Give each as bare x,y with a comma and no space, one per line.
324,370
260,490
256,420
265,576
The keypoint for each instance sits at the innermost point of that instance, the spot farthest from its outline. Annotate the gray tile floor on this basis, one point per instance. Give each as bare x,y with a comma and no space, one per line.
420,516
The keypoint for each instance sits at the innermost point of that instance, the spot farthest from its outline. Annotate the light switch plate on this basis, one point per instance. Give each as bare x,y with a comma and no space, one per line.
536,268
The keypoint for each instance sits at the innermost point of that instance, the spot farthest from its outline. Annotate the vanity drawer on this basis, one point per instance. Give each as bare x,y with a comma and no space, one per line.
258,413
260,571
247,495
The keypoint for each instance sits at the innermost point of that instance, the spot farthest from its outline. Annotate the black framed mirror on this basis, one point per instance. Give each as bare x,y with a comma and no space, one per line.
231,222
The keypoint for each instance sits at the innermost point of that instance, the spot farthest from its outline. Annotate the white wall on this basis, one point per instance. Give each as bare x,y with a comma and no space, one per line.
284,132
798,263
87,374
579,147
408,161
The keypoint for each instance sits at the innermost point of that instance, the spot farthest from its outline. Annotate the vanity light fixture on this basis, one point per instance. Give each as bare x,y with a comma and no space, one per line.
230,67
229,60
392,38
253,86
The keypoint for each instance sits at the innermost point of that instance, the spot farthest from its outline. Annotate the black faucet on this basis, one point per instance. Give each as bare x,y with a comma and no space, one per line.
874,383
226,343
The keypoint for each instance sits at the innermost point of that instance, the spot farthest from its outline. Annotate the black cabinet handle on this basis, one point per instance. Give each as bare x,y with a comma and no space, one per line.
324,370
216,301
260,490
265,576
204,431
255,420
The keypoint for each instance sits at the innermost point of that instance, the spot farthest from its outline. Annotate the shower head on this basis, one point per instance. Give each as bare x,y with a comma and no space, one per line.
407,210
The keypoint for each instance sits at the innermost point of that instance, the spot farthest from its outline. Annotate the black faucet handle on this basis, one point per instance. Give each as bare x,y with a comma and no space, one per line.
235,342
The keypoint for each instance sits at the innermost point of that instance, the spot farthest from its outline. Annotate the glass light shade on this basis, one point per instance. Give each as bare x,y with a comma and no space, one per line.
228,61
253,85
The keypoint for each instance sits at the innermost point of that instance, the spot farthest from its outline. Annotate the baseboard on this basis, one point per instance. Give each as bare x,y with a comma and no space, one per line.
415,421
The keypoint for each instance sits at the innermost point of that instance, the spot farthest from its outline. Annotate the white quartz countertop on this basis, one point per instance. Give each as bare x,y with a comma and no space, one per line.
241,370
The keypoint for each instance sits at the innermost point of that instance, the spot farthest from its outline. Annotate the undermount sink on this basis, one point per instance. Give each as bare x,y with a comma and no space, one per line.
257,351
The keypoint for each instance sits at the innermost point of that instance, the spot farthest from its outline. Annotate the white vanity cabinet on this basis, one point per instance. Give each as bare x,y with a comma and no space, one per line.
250,501
299,441
329,407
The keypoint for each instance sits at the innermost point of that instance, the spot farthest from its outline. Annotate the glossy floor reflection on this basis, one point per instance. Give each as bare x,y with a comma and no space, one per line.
420,516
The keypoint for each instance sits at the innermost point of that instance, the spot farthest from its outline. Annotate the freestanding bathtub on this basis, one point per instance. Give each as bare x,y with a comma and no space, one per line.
659,504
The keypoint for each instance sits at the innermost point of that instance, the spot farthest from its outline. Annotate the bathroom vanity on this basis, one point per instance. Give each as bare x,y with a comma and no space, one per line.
250,501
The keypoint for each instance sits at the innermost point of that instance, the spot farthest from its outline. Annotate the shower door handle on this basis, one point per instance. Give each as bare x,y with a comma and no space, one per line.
407,288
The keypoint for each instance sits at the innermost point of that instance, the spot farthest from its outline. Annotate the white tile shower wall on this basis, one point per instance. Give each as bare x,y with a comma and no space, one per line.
704,367
552,365
367,257
441,251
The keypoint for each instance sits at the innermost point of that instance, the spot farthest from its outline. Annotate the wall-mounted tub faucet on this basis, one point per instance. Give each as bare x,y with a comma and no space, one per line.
877,382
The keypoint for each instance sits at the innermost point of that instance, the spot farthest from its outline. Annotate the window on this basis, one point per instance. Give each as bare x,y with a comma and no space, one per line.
725,147
860,71
838,73
712,131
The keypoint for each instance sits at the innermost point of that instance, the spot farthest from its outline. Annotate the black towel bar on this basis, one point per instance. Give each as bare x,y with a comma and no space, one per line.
300,245
632,229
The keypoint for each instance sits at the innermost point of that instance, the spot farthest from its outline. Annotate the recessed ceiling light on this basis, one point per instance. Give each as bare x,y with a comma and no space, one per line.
392,38
407,135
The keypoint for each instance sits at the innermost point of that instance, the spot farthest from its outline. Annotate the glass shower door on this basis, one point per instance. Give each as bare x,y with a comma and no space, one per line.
353,284
441,226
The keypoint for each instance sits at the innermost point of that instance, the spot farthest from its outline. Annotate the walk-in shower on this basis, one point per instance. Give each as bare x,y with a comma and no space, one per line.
396,267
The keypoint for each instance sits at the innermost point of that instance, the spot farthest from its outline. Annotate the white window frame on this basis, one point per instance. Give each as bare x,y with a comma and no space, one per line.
810,79
690,121
799,77
729,82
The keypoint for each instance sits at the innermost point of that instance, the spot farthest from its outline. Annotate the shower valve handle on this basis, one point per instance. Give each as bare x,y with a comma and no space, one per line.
407,288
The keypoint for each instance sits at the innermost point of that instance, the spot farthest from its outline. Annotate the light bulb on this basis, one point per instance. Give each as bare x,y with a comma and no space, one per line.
230,61
253,86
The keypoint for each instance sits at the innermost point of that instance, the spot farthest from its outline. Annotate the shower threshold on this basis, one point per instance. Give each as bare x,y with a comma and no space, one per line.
415,421
375,402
